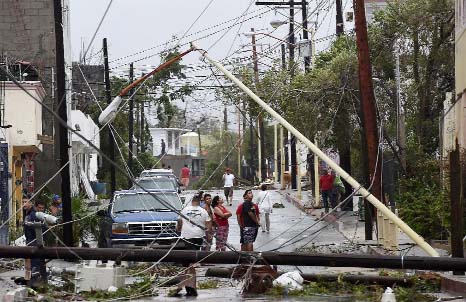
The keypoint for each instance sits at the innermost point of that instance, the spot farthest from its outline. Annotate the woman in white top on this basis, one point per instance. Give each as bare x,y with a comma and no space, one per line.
264,202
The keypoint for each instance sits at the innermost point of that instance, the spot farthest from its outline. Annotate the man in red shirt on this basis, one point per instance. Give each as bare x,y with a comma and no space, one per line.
326,185
247,216
184,175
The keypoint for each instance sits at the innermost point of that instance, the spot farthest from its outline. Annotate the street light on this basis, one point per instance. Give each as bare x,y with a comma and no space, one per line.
112,109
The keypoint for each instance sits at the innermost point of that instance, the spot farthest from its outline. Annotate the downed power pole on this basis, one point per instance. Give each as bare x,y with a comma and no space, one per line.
353,182
270,258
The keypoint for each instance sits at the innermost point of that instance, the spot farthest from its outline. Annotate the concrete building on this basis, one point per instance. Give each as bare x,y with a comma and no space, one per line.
84,162
170,138
373,6
27,34
24,139
87,86
460,71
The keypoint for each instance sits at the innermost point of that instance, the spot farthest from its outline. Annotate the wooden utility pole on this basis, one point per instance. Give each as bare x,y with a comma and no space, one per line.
62,130
111,140
339,24
130,123
369,114
457,204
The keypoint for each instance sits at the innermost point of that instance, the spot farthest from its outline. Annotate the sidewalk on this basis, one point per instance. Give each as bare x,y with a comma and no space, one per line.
349,225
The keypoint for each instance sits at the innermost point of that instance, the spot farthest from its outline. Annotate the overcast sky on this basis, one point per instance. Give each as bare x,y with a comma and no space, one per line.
133,26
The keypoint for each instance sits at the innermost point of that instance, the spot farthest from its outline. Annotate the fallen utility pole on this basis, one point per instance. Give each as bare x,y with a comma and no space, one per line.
218,272
270,258
359,189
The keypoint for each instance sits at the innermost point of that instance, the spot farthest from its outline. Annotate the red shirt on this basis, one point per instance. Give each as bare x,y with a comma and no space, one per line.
326,182
185,172
220,220
239,209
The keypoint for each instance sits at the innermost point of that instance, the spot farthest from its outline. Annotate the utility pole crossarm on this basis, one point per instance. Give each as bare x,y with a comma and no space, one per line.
355,184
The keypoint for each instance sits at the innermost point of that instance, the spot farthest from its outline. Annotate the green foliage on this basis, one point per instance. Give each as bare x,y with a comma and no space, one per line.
363,292
208,284
423,201
132,291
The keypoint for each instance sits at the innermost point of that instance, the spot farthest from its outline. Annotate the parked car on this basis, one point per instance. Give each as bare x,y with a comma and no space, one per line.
157,183
136,218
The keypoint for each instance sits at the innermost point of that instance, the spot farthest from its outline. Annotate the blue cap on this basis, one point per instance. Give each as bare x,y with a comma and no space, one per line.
55,197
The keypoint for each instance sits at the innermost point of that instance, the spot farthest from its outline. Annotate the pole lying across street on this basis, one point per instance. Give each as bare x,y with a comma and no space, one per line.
270,258
358,187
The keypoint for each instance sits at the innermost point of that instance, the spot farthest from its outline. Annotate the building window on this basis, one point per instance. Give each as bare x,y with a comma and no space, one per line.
198,167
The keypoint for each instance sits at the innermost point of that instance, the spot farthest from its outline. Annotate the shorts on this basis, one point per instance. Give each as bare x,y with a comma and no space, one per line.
228,191
248,234
193,244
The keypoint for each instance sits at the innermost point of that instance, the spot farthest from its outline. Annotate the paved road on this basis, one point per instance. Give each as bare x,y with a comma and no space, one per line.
286,224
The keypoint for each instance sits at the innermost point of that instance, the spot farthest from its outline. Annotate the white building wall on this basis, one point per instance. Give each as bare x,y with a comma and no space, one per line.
84,156
24,114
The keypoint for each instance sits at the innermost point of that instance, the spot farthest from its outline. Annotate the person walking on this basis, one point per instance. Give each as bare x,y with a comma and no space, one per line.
228,185
207,205
247,216
194,223
264,202
221,215
184,176
326,185
337,189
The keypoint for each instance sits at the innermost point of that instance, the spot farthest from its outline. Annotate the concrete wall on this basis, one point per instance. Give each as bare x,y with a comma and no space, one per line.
24,114
27,34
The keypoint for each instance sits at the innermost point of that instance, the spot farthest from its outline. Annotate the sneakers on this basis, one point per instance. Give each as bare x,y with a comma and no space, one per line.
191,292
263,231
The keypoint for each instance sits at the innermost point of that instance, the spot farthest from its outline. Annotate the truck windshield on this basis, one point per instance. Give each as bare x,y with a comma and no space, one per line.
146,202
159,183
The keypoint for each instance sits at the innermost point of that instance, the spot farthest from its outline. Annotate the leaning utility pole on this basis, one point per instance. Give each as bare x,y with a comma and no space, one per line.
130,123
63,131
111,141
369,114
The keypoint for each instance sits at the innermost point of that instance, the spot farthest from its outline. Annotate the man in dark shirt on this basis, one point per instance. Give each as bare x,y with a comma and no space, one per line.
248,221
35,265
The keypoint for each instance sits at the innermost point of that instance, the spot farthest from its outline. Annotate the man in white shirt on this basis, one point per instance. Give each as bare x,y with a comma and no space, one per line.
193,231
264,202
228,182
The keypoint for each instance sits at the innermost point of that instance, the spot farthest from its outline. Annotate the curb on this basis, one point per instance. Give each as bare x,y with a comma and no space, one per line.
453,284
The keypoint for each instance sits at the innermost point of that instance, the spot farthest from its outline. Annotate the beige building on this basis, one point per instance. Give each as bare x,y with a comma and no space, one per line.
460,68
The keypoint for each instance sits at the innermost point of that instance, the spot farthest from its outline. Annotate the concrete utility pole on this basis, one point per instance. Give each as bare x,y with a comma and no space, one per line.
130,123
275,153
253,105
62,130
369,114
111,140
142,124
225,131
